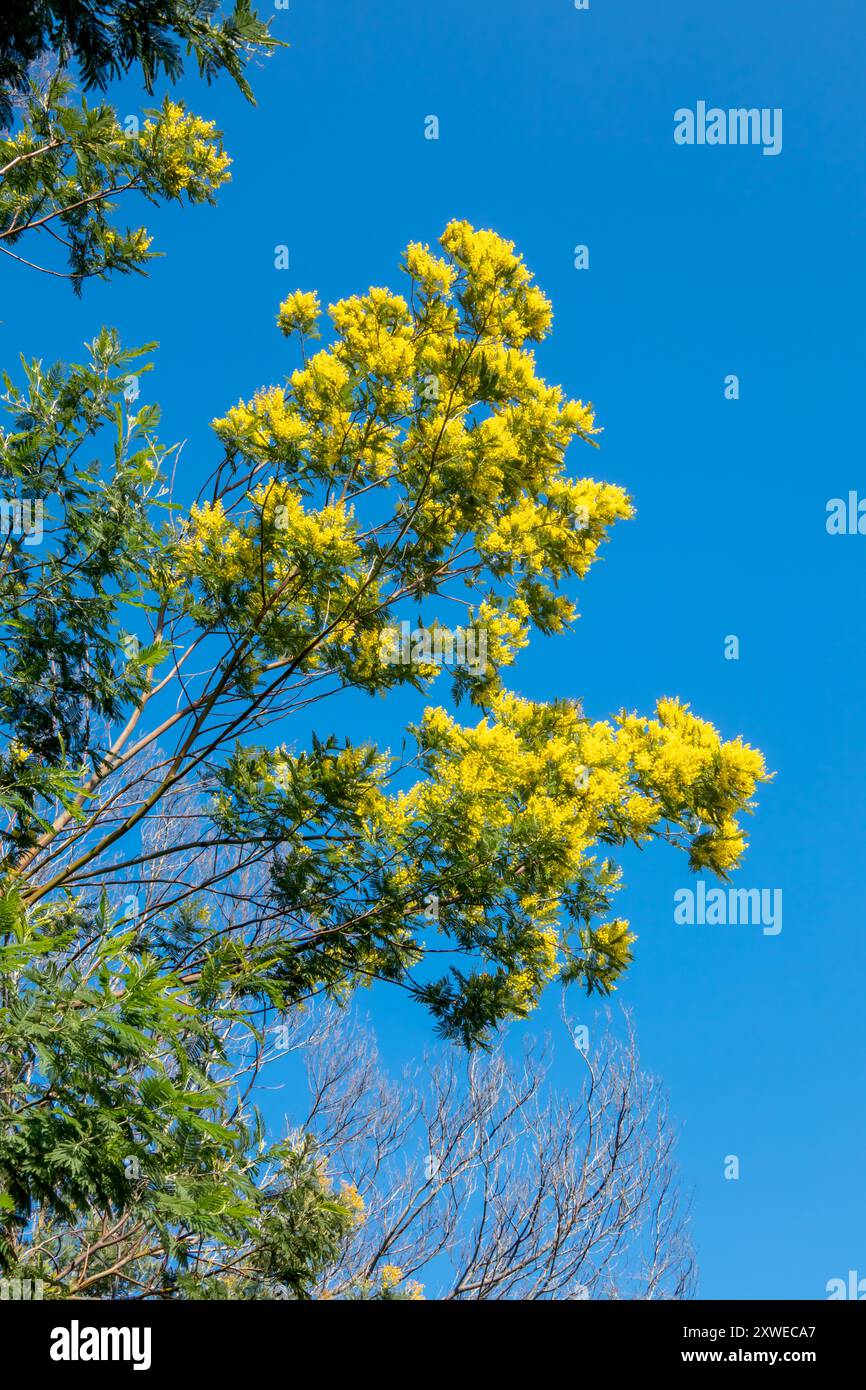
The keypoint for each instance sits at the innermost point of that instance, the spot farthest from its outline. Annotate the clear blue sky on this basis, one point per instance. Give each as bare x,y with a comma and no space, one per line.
556,128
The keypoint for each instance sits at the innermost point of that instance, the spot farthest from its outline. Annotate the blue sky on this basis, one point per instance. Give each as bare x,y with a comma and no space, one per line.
556,128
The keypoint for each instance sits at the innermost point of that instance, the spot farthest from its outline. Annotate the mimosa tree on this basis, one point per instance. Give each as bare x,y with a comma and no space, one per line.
185,862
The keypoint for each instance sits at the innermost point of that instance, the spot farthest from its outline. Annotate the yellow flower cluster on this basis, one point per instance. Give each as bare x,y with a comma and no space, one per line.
541,952
679,758
264,424
319,389
135,243
376,333
499,291
299,313
580,780
562,533
392,1276
544,782
187,151
352,1199
437,396
218,546
506,629
434,275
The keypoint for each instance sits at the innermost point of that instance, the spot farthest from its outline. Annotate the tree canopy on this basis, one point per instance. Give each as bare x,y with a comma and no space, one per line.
343,498
106,38
193,853
172,884
65,161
